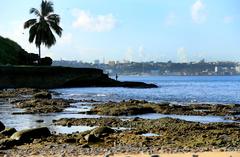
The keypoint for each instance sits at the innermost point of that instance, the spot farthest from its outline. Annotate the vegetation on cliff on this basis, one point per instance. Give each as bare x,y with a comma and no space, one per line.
14,54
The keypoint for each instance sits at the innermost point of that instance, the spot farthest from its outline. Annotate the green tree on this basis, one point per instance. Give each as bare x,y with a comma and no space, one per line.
42,28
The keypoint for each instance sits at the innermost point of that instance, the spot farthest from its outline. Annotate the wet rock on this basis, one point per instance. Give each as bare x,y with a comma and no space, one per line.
33,106
135,107
31,134
69,124
122,108
174,133
8,143
8,131
137,101
70,140
42,95
40,121
135,119
102,131
234,118
137,85
91,138
2,126
85,146
17,93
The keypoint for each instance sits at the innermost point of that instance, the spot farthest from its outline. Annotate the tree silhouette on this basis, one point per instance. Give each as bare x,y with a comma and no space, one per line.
42,28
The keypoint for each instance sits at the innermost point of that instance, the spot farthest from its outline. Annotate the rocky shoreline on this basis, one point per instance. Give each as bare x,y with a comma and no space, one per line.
49,77
115,135
138,107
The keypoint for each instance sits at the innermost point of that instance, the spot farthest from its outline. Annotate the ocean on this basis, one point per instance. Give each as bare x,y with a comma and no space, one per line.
180,89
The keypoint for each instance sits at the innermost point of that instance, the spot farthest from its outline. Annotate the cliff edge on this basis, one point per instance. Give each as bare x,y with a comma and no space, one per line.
59,77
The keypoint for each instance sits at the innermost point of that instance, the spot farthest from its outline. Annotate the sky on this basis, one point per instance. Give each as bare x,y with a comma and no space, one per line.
134,30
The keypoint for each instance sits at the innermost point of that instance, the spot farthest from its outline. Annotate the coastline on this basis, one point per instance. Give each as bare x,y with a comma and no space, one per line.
50,77
175,135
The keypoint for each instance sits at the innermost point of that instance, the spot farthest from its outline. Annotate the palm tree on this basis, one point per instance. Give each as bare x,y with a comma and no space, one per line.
42,27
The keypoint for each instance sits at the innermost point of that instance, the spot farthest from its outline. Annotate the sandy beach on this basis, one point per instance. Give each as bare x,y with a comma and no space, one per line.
204,154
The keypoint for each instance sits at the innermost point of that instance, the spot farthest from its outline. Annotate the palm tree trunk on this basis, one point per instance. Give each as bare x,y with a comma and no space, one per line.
39,54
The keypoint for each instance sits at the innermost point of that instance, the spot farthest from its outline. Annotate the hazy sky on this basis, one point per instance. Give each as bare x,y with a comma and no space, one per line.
136,30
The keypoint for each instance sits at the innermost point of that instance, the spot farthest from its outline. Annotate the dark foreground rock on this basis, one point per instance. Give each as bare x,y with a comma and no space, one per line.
136,107
10,137
2,126
137,85
234,118
173,133
8,132
30,134
7,143
102,131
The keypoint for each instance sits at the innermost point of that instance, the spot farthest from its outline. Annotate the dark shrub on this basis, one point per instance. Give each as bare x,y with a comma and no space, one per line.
46,61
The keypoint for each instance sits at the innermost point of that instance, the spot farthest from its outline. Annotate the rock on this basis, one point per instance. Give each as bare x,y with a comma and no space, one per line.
234,118
2,126
135,119
102,131
194,155
30,134
137,85
33,106
85,146
91,138
42,95
40,121
8,131
155,156
8,143
107,155
69,124
70,140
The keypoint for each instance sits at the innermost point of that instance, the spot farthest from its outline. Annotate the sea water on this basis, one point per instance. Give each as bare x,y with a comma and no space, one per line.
181,89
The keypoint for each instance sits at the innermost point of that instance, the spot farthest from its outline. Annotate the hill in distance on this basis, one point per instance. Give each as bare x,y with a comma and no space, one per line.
11,53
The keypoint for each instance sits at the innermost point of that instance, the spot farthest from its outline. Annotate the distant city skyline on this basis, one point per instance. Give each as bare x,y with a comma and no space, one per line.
134,30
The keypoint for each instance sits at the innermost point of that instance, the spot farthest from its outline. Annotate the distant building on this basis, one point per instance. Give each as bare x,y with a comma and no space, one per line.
126,61
237,68
216,69
96,62
111,63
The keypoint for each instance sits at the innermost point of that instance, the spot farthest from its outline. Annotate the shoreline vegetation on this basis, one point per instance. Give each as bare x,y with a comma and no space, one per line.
114,135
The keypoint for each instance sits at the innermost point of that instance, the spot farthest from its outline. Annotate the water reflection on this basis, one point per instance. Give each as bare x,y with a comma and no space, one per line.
69,130
27,121
202,119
